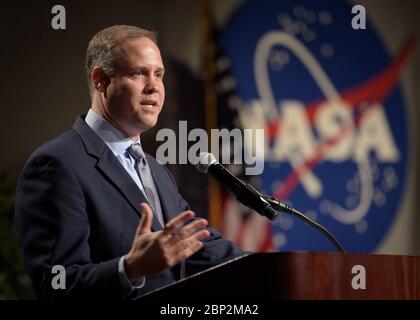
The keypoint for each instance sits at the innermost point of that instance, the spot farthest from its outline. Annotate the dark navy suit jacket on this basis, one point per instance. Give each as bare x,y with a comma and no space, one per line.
76,206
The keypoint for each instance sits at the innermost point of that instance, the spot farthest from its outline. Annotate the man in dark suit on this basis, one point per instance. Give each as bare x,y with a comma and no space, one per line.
92,202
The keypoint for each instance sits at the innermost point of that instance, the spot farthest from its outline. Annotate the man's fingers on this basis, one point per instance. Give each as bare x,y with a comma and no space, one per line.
188,230
190,242
178,222
145,224
187,247
188,252
198,236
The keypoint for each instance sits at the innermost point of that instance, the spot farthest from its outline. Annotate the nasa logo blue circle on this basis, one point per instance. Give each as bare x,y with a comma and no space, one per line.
335,122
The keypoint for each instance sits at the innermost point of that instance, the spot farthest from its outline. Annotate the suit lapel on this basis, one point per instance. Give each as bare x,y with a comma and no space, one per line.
110,167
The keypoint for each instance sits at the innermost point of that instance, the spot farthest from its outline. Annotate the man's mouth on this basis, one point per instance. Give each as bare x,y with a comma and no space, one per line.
149,102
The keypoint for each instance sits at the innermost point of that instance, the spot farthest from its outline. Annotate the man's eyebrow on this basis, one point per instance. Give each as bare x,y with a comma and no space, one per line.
161,69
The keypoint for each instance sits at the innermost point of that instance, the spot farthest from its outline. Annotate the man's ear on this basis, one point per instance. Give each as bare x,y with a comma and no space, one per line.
99,78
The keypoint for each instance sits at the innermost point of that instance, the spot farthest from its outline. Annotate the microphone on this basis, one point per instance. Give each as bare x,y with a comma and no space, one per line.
244,192
250,197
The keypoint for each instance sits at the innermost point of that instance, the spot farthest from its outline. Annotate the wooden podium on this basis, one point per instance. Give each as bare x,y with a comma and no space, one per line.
297,276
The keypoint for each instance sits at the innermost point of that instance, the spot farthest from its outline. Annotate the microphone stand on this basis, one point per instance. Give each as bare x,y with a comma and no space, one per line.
277,205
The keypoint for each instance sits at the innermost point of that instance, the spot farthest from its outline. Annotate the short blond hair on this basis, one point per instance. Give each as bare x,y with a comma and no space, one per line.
102,49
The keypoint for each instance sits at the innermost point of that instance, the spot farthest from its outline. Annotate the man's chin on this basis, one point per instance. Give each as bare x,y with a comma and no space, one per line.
146,125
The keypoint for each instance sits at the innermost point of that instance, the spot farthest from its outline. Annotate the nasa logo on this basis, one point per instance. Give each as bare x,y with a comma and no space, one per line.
336,128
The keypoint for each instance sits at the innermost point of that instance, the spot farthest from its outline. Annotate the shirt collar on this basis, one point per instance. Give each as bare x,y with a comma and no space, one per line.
113,138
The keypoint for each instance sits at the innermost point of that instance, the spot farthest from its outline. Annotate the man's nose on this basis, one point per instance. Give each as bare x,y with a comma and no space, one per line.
151,85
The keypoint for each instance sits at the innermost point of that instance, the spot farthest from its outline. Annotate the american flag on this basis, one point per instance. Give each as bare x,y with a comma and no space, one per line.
238,223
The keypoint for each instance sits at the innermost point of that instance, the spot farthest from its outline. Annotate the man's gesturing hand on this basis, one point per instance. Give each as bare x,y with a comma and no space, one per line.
154,252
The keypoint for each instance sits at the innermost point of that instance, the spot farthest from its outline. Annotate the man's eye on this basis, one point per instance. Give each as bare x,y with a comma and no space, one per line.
159,75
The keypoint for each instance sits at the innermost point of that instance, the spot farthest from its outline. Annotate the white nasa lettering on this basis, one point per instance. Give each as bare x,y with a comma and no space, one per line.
375,135
294,139
330,119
